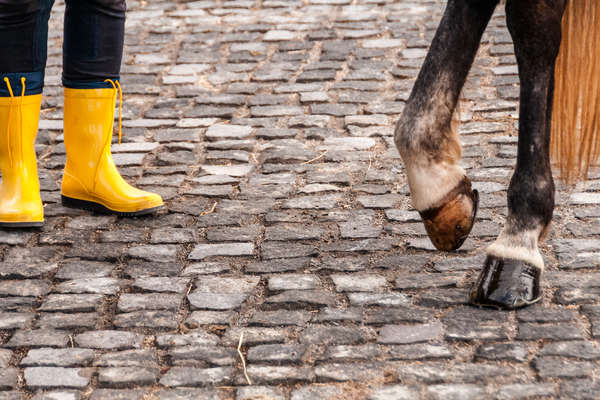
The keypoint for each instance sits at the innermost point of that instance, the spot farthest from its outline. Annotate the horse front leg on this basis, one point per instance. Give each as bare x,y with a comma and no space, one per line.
512,272
430,149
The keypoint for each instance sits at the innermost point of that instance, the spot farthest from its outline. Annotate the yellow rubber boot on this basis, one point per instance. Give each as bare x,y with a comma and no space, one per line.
91,180
20,202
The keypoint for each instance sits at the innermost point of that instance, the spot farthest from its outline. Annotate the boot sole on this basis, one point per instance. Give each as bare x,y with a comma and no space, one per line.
17,225
99,208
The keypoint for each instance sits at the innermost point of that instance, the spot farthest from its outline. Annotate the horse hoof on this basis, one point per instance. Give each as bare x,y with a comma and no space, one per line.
449,225
507,284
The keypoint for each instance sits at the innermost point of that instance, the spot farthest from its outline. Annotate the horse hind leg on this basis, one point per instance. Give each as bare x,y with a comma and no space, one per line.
430,149
513,269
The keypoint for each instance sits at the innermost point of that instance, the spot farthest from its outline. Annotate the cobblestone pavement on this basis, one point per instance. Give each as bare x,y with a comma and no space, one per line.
267,126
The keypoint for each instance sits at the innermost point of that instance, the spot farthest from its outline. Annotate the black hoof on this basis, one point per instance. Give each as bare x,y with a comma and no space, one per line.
507,284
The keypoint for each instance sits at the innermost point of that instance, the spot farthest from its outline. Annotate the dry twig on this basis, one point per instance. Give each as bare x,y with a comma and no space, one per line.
212,210
316,158
239,350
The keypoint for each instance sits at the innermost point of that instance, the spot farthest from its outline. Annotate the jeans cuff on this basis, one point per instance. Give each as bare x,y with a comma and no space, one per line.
87,85
34,83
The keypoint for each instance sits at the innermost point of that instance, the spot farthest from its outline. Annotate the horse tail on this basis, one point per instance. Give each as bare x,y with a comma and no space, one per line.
575,127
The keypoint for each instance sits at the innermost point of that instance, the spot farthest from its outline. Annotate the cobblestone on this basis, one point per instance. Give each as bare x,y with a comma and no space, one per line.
109,340
358,282
268,129
403,334
124,376
58,395
202,251
90,285
55,377
58,357
189,376
8,378
38,338
293,281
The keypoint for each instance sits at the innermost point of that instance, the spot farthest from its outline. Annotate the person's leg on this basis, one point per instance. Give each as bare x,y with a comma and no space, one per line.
93,44
23,36
93,49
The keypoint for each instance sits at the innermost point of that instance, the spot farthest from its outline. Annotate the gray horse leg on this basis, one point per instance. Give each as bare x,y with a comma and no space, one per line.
430,149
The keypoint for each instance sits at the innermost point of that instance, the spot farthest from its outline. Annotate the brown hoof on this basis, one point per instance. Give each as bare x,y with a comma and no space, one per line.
449,224
507,284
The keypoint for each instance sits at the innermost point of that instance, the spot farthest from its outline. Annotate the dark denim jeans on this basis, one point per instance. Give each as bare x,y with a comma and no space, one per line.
92,47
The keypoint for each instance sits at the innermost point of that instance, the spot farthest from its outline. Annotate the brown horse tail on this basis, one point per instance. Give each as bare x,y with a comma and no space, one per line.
575,140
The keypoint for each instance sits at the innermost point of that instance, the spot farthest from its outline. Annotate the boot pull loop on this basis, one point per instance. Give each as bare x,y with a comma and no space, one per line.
21,114
12,96
23,79
7,81
120,109
115,84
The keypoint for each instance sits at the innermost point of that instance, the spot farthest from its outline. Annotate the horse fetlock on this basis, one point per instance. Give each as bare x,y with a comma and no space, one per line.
518,245
430,182
449,223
